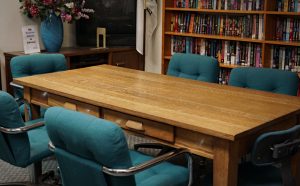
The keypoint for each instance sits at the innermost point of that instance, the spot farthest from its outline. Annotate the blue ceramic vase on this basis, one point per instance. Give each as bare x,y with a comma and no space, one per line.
52,33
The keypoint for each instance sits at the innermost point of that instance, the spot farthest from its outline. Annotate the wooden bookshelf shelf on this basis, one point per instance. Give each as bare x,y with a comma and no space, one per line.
286,43
282,13
262,17
207,36
215,11
222,65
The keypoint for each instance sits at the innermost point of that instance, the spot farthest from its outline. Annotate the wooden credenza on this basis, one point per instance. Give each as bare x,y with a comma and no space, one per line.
83,57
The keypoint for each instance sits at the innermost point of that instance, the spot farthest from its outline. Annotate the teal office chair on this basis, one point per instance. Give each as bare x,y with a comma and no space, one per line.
266,79
21,144
28,65
93,152
271,160
193,66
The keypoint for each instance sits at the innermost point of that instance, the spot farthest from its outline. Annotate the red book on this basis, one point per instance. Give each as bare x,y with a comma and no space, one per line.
191,26
186,3
176,24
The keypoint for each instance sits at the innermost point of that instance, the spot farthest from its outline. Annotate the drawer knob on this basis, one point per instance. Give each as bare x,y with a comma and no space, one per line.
120,64
135,125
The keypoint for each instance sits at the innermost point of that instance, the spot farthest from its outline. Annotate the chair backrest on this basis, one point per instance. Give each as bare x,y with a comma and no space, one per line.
193,66
28,65
271,80
274,147
15,149
83,144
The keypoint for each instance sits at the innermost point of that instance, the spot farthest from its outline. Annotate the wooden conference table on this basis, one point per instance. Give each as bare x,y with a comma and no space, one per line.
215,121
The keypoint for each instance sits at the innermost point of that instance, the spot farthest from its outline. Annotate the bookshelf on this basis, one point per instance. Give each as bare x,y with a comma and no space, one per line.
260,33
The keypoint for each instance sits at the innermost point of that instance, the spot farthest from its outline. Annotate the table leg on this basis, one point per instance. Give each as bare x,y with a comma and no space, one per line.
34,109
225,163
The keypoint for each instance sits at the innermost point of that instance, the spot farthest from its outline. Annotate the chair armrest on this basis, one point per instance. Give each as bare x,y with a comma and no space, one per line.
16,85
148,164
51,146
163,148
21,129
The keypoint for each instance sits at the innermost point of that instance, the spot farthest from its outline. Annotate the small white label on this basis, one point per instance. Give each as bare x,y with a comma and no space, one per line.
30,39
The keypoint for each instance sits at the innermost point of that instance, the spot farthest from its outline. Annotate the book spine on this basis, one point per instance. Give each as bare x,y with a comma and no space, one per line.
254,27
286,5
226,52
279,5
257,56
172,45
257,4
191,24
202,50
249,4
261,23
287,31
238,53
291,34
272,57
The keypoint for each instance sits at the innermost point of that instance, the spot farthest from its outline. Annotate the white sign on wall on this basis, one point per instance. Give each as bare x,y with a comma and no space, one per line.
30,39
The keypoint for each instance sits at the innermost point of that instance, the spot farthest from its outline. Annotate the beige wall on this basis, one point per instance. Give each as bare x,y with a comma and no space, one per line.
11,21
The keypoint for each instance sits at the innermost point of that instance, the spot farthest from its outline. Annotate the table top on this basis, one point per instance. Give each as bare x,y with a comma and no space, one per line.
218,110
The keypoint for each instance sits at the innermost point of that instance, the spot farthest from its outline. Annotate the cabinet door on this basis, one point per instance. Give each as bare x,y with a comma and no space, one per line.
128,59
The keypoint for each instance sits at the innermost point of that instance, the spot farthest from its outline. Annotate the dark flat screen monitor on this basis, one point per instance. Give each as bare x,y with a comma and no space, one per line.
117,16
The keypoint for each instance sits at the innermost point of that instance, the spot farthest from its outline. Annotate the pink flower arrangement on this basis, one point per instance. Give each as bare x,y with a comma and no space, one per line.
68,10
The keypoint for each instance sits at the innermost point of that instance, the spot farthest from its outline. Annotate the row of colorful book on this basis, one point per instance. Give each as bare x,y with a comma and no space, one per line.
288,29
288,5
221,4
227,52
250,26
285,58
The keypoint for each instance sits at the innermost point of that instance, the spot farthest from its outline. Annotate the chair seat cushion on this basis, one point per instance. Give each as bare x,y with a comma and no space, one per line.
38,139
161,174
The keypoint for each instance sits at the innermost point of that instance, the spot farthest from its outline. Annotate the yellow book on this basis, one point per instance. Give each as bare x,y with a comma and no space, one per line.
286,6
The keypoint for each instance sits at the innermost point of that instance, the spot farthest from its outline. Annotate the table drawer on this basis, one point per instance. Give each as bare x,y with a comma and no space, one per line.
37,97
54,100
140,125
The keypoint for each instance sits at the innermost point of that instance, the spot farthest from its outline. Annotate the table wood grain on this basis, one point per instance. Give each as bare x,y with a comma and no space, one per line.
217,110
211,120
